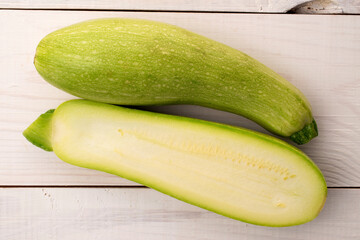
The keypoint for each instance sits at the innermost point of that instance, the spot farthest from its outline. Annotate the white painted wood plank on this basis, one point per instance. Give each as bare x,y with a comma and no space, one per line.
162,5
318,54
273,6
128,213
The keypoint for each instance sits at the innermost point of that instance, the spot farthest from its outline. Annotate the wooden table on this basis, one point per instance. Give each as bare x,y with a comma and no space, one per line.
42,197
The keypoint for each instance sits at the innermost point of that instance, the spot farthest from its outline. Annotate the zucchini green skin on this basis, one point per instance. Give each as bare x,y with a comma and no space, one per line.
142,62
232,171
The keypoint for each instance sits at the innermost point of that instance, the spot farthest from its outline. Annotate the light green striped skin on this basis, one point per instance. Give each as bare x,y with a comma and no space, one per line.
141,62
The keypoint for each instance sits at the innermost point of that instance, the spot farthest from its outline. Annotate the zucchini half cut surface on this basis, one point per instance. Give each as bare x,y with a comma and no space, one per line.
232,171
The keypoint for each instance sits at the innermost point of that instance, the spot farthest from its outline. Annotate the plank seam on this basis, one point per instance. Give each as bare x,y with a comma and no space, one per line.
109,186
73,186
134,10
290,12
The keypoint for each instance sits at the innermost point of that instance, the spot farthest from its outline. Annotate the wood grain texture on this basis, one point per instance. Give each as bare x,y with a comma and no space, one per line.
127,213
328,7
273,6
318,54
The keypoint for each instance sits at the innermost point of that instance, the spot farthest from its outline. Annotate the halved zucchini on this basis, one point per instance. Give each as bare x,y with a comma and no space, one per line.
232,171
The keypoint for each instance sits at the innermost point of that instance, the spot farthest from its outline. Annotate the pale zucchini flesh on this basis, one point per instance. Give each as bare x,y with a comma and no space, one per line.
142,62
232,171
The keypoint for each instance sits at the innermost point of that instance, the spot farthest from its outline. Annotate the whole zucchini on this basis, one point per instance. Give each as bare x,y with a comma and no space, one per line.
141,62
232,171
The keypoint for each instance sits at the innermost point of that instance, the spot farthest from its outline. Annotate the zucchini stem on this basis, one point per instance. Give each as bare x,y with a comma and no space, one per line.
306,134
40,131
